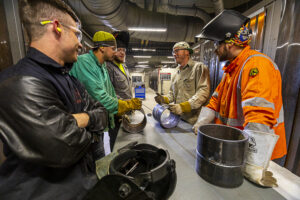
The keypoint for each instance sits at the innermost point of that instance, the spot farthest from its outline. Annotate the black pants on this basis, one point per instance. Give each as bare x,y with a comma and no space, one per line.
113,133
98,146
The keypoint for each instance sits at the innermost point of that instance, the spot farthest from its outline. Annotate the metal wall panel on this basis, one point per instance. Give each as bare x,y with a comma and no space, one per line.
5,51
288,60
14,29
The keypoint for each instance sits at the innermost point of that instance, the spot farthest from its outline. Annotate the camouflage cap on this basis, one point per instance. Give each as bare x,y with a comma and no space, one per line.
183,45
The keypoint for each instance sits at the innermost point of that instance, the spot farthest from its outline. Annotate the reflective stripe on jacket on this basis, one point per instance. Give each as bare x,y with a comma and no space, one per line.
249,97
191,84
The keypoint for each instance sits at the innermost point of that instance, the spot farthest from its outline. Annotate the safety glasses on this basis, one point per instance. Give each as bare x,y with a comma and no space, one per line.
76,30
176,51
121,50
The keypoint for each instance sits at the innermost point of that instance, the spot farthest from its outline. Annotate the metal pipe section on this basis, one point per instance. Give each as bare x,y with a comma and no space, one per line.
165,7
134,128
221,152
119,15
218,5
169,121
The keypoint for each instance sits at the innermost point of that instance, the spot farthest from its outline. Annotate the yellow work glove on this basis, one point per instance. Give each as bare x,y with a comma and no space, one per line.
132,104
178,109
161,99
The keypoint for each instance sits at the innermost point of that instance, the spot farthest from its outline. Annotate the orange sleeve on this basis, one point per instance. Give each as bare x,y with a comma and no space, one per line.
257,89
214,102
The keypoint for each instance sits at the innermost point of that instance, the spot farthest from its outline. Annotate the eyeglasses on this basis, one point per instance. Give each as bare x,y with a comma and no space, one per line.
76,30
114,48
176,51
121,50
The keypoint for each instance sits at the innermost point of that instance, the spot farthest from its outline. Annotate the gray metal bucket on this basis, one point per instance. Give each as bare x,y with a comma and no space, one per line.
166,120
221,152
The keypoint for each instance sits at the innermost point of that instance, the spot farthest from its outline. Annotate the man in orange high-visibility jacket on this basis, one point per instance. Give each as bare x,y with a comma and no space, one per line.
248,96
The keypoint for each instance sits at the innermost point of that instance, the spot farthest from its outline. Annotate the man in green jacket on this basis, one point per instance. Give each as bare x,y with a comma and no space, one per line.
90,69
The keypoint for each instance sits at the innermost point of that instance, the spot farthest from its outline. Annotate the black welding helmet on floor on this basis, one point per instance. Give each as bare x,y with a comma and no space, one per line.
149,167
139,171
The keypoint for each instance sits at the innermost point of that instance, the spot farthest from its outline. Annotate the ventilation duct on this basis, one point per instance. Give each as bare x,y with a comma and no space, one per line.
119,15
218,5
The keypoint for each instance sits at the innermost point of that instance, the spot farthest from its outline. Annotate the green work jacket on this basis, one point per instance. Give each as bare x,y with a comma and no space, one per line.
94,76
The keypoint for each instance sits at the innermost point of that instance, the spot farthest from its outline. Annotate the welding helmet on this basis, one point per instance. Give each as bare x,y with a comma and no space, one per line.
224,26
148,167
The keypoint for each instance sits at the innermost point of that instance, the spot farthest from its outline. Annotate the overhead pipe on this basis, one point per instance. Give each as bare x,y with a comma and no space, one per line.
164,6
119,15
218,5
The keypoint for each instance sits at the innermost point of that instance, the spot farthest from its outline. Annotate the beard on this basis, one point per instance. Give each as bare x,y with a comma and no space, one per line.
119,60
224,55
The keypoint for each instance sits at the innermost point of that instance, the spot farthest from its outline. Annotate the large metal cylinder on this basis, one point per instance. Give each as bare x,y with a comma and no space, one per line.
221,152
134,127
165,117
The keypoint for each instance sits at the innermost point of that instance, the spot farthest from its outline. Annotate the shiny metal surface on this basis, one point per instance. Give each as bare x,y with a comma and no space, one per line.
221,154
181,143
134,128
288,60
169,121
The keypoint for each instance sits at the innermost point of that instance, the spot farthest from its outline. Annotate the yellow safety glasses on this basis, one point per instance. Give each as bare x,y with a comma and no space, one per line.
76,30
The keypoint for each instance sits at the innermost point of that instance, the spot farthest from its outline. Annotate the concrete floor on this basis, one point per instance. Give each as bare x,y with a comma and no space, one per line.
289,183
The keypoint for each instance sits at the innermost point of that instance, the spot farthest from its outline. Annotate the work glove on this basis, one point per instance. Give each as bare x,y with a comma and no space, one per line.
206,116
259,175
128,105
261,145
161,99
102,165
98,119
178,109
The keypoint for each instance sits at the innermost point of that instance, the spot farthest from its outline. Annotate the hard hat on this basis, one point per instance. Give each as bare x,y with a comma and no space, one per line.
104,39
224,26
183,45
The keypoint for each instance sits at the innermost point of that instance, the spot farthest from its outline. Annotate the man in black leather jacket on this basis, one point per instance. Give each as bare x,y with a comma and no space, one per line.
51,128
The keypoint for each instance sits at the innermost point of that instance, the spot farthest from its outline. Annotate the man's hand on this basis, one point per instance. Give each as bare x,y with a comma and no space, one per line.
128,105
259,176
206,116
159,99
196,127
176,109
82,119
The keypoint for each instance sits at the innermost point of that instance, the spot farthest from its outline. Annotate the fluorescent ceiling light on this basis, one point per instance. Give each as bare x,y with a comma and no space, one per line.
143,62
142,66
142,56
170,57
198,35
196,47
143,29
139,49
167,62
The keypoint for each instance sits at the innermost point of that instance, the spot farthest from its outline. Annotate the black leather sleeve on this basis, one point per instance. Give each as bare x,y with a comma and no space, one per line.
35,125
96,111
